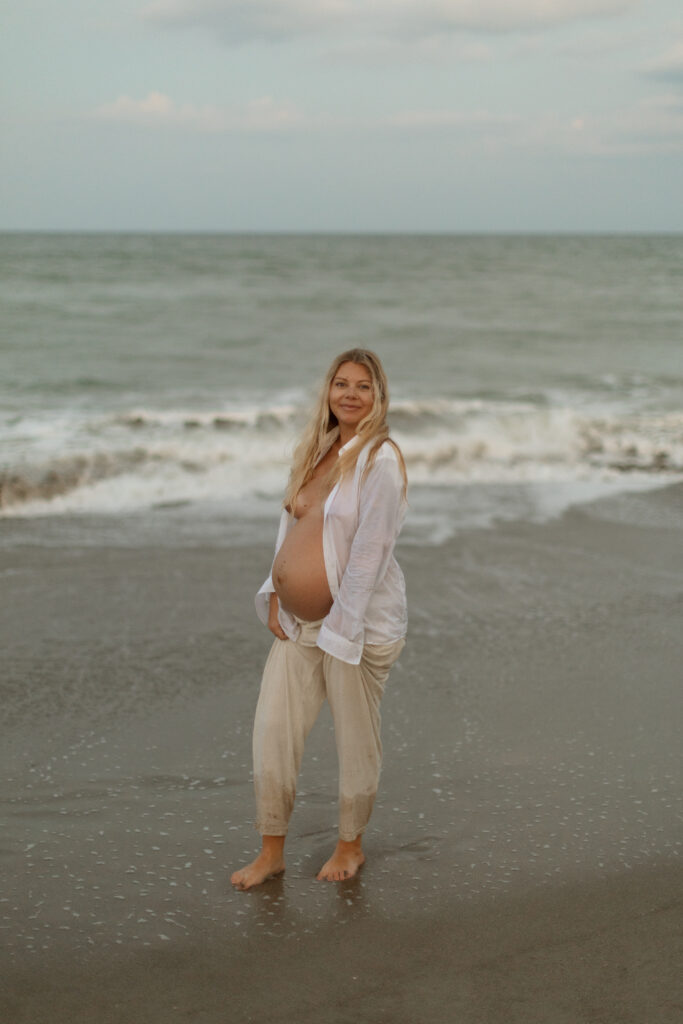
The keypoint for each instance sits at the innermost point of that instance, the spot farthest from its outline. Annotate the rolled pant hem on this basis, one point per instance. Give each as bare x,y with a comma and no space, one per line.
348,837
276,830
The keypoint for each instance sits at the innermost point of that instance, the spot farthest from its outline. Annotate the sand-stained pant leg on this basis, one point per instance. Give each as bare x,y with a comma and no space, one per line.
354,693
292,693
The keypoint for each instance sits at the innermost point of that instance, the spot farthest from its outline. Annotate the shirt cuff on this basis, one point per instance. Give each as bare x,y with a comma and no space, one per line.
339,646
262,600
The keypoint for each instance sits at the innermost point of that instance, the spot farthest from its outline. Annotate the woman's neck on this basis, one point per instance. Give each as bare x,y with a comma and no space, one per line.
345,434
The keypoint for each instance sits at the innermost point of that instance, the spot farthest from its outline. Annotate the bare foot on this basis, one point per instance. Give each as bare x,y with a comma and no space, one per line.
343,863
270,862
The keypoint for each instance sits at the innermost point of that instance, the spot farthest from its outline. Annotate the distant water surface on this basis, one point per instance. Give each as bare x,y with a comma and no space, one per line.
154,371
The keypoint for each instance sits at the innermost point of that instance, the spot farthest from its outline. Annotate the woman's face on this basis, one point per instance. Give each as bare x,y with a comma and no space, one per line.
351,394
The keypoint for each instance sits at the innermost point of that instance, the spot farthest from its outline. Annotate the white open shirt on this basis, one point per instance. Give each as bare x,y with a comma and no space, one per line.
360,525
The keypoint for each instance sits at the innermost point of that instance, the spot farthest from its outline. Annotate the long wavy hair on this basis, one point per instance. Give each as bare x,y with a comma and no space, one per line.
315,438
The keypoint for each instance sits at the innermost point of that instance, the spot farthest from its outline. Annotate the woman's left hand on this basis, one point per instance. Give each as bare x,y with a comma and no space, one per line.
273,620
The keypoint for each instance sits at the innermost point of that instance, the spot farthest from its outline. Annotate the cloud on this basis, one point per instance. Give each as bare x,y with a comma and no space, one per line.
156,109
376,52
669,66
467,120
468,131
239,21
653,125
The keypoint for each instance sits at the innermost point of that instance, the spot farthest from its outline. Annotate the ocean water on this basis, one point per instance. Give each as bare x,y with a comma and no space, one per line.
152,386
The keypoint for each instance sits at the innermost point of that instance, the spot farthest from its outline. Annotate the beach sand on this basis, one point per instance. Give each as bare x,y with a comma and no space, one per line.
524,854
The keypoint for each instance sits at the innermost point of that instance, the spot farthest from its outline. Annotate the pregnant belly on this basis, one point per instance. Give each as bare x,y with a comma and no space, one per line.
299,575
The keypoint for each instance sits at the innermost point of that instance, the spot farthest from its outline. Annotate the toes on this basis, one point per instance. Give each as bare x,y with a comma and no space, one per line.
331,873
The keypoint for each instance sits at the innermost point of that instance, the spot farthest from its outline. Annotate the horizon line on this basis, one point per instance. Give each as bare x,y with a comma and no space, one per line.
361,232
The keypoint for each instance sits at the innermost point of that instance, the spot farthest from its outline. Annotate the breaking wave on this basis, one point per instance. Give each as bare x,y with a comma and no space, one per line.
138,458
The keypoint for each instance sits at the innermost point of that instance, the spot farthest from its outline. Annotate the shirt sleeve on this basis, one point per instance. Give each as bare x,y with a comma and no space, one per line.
262,599
381,511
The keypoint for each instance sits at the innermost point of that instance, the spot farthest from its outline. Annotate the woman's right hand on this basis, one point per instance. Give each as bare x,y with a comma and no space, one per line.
273,620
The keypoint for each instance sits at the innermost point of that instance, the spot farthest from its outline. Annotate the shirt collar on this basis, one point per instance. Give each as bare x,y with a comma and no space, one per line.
348,444
331,437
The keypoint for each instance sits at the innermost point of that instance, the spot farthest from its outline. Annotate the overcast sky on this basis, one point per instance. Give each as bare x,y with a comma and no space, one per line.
342,115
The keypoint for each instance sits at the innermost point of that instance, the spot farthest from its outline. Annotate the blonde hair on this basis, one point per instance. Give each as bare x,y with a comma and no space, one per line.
315,438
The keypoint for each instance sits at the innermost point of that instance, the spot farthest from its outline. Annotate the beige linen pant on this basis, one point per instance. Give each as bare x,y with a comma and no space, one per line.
296,679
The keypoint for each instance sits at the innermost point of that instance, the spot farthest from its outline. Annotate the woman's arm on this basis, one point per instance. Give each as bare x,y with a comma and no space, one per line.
267,590
380,517
273,620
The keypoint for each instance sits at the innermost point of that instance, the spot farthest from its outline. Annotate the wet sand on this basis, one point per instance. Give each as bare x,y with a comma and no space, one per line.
524,854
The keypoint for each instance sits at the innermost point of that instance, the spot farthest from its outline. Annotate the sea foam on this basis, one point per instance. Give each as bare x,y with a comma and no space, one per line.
136,458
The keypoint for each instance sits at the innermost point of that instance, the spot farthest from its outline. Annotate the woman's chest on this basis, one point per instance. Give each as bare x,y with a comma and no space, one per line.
311,496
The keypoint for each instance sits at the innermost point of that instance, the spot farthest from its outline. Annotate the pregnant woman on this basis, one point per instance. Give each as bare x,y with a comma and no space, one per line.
335,600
